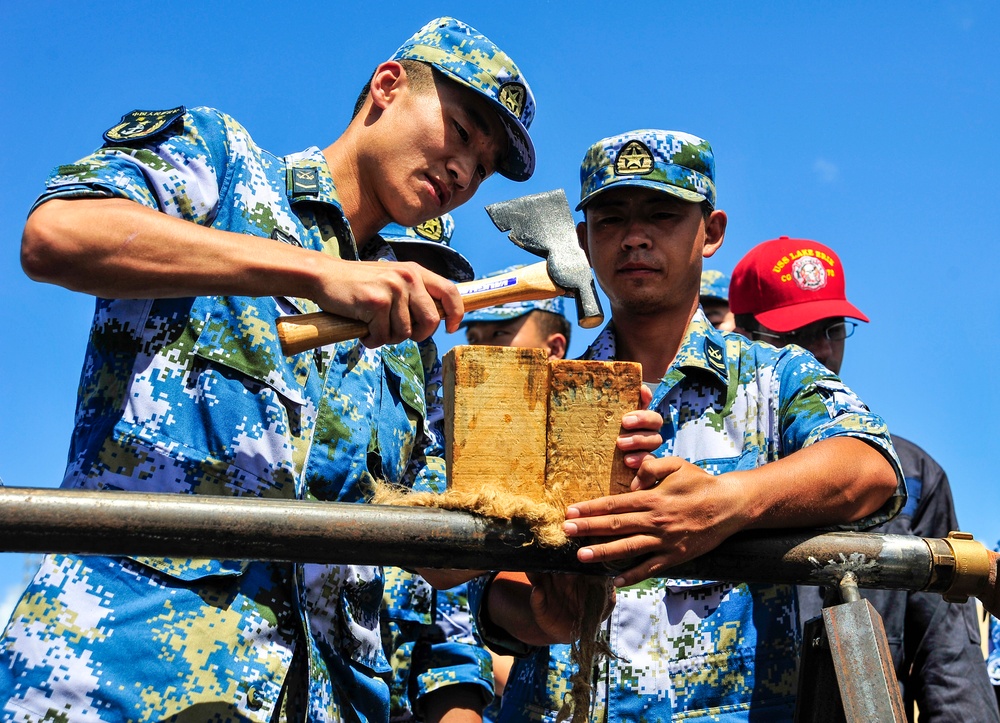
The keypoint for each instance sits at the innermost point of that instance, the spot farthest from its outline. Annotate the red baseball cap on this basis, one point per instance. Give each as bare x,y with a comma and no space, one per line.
789,283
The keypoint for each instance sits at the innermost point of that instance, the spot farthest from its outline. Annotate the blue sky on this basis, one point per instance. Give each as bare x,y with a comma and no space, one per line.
870,127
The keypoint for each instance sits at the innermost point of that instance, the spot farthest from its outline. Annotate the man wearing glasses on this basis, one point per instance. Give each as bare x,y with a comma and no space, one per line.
791,291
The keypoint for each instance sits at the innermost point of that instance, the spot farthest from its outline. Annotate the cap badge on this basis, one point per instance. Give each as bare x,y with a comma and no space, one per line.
431,230
634,159
512,96
809,273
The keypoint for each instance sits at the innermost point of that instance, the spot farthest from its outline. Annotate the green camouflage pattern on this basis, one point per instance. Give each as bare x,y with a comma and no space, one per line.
698,650
714,284
429,245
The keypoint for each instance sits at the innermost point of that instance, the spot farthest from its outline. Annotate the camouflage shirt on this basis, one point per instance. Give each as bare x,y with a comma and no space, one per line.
195,396
700,650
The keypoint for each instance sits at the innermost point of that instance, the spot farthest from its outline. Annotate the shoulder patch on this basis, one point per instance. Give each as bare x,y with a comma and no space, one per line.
142,124
716,356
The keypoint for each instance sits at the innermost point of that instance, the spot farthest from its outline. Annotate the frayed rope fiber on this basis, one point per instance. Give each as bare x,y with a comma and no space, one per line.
545,520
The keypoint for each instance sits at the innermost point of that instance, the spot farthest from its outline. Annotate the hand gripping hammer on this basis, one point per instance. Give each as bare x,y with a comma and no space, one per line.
542,224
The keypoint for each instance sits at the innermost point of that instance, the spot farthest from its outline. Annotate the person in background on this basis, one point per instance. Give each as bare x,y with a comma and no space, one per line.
541,324
441,672
714,299
792,291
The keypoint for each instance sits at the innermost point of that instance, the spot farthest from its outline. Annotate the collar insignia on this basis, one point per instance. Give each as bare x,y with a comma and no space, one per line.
715,355
305,182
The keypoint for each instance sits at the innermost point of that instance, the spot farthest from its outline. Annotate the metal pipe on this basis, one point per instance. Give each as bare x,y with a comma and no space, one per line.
98,522
171,525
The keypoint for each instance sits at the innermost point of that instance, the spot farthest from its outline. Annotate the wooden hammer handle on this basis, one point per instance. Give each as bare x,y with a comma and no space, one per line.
307,331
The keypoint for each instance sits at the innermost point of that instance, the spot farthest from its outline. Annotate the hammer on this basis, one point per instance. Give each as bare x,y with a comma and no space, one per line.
542,224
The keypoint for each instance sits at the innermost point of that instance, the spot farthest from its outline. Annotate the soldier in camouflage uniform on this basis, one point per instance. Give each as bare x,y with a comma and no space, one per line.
754,437
195,240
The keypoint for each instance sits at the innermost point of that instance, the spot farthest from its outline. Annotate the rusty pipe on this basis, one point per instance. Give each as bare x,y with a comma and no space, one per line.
170,525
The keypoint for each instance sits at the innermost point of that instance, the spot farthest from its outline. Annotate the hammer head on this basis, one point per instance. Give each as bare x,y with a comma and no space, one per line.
543,224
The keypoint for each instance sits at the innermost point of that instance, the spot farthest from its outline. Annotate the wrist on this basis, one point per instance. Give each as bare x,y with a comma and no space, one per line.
741,509
494,635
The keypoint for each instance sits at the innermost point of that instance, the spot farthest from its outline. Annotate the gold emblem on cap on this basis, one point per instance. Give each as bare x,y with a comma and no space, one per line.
512,95
431,230
634,159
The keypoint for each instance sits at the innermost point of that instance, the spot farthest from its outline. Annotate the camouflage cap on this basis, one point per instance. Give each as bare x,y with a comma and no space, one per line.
670,161
466,56
515,309
429,245
714,284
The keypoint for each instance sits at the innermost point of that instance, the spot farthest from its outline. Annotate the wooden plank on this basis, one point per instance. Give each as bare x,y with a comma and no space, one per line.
495,418
587,401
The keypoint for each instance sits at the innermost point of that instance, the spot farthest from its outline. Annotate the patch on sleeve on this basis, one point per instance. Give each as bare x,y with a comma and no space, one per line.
141,124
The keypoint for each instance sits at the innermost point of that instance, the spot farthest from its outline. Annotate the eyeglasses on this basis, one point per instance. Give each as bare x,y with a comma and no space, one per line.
810,334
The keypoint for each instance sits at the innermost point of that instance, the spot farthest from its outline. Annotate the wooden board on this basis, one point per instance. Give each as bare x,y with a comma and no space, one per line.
495,418
587,401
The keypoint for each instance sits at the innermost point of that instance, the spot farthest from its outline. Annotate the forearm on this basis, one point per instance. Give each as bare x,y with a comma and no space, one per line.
454,704
117,248
508,605
834,481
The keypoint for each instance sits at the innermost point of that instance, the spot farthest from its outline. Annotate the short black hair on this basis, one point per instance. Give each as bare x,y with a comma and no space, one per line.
550,323
421,76
747,322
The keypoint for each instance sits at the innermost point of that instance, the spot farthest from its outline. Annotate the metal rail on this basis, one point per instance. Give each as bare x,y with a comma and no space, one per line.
171,525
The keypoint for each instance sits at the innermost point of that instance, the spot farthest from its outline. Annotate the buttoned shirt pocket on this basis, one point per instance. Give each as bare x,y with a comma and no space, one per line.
241,333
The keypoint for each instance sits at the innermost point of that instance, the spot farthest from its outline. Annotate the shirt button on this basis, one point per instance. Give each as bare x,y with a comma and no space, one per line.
253,700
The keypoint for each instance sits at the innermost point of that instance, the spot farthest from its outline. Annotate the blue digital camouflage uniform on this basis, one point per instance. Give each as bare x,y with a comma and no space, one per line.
428,634
195,396
697,650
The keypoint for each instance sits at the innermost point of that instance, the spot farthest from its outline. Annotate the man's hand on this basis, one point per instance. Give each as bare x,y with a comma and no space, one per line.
641,433
541,608
396,300
675,513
